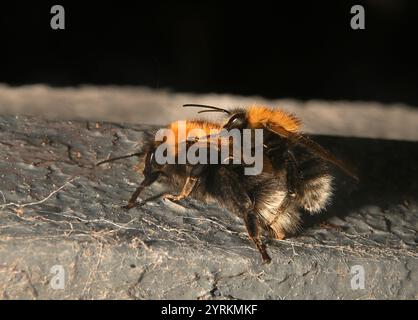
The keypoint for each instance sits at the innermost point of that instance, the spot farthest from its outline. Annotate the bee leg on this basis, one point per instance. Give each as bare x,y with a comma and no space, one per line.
252,225
189,186
290,162
274,227
292,173
149,179
187,189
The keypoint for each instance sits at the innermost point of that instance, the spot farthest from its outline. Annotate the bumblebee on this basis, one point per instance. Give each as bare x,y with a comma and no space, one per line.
293,157
295,175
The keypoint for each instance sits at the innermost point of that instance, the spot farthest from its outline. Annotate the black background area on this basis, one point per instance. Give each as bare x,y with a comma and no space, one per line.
299,49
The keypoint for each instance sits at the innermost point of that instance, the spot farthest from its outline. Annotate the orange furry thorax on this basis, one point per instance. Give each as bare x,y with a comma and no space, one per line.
195,128
258,116
192,129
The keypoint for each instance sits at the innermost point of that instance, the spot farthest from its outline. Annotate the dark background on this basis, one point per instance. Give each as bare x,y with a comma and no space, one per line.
299,49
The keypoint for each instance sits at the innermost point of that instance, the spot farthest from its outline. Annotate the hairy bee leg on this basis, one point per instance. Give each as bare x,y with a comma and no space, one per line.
189,185
252,225
135,195
149,179
291,165
277,232
132,200
292,173
187,189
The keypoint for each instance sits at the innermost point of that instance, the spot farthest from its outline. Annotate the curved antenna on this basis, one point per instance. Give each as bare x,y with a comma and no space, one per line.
213,108
118,158
204,111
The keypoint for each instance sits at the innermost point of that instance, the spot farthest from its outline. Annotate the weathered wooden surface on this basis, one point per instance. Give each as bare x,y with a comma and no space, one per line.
58,209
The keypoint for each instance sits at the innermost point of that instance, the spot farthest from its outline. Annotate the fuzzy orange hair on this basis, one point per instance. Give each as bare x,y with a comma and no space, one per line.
258,116
205,127
193,129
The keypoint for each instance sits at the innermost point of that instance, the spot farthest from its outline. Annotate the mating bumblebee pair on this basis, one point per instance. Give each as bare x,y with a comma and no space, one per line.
296,173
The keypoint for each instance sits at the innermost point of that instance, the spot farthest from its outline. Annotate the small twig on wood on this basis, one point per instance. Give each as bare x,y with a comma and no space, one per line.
101,220
4,198
22,205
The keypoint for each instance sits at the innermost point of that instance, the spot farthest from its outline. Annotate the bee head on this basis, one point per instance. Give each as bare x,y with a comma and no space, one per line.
238,120
237,117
